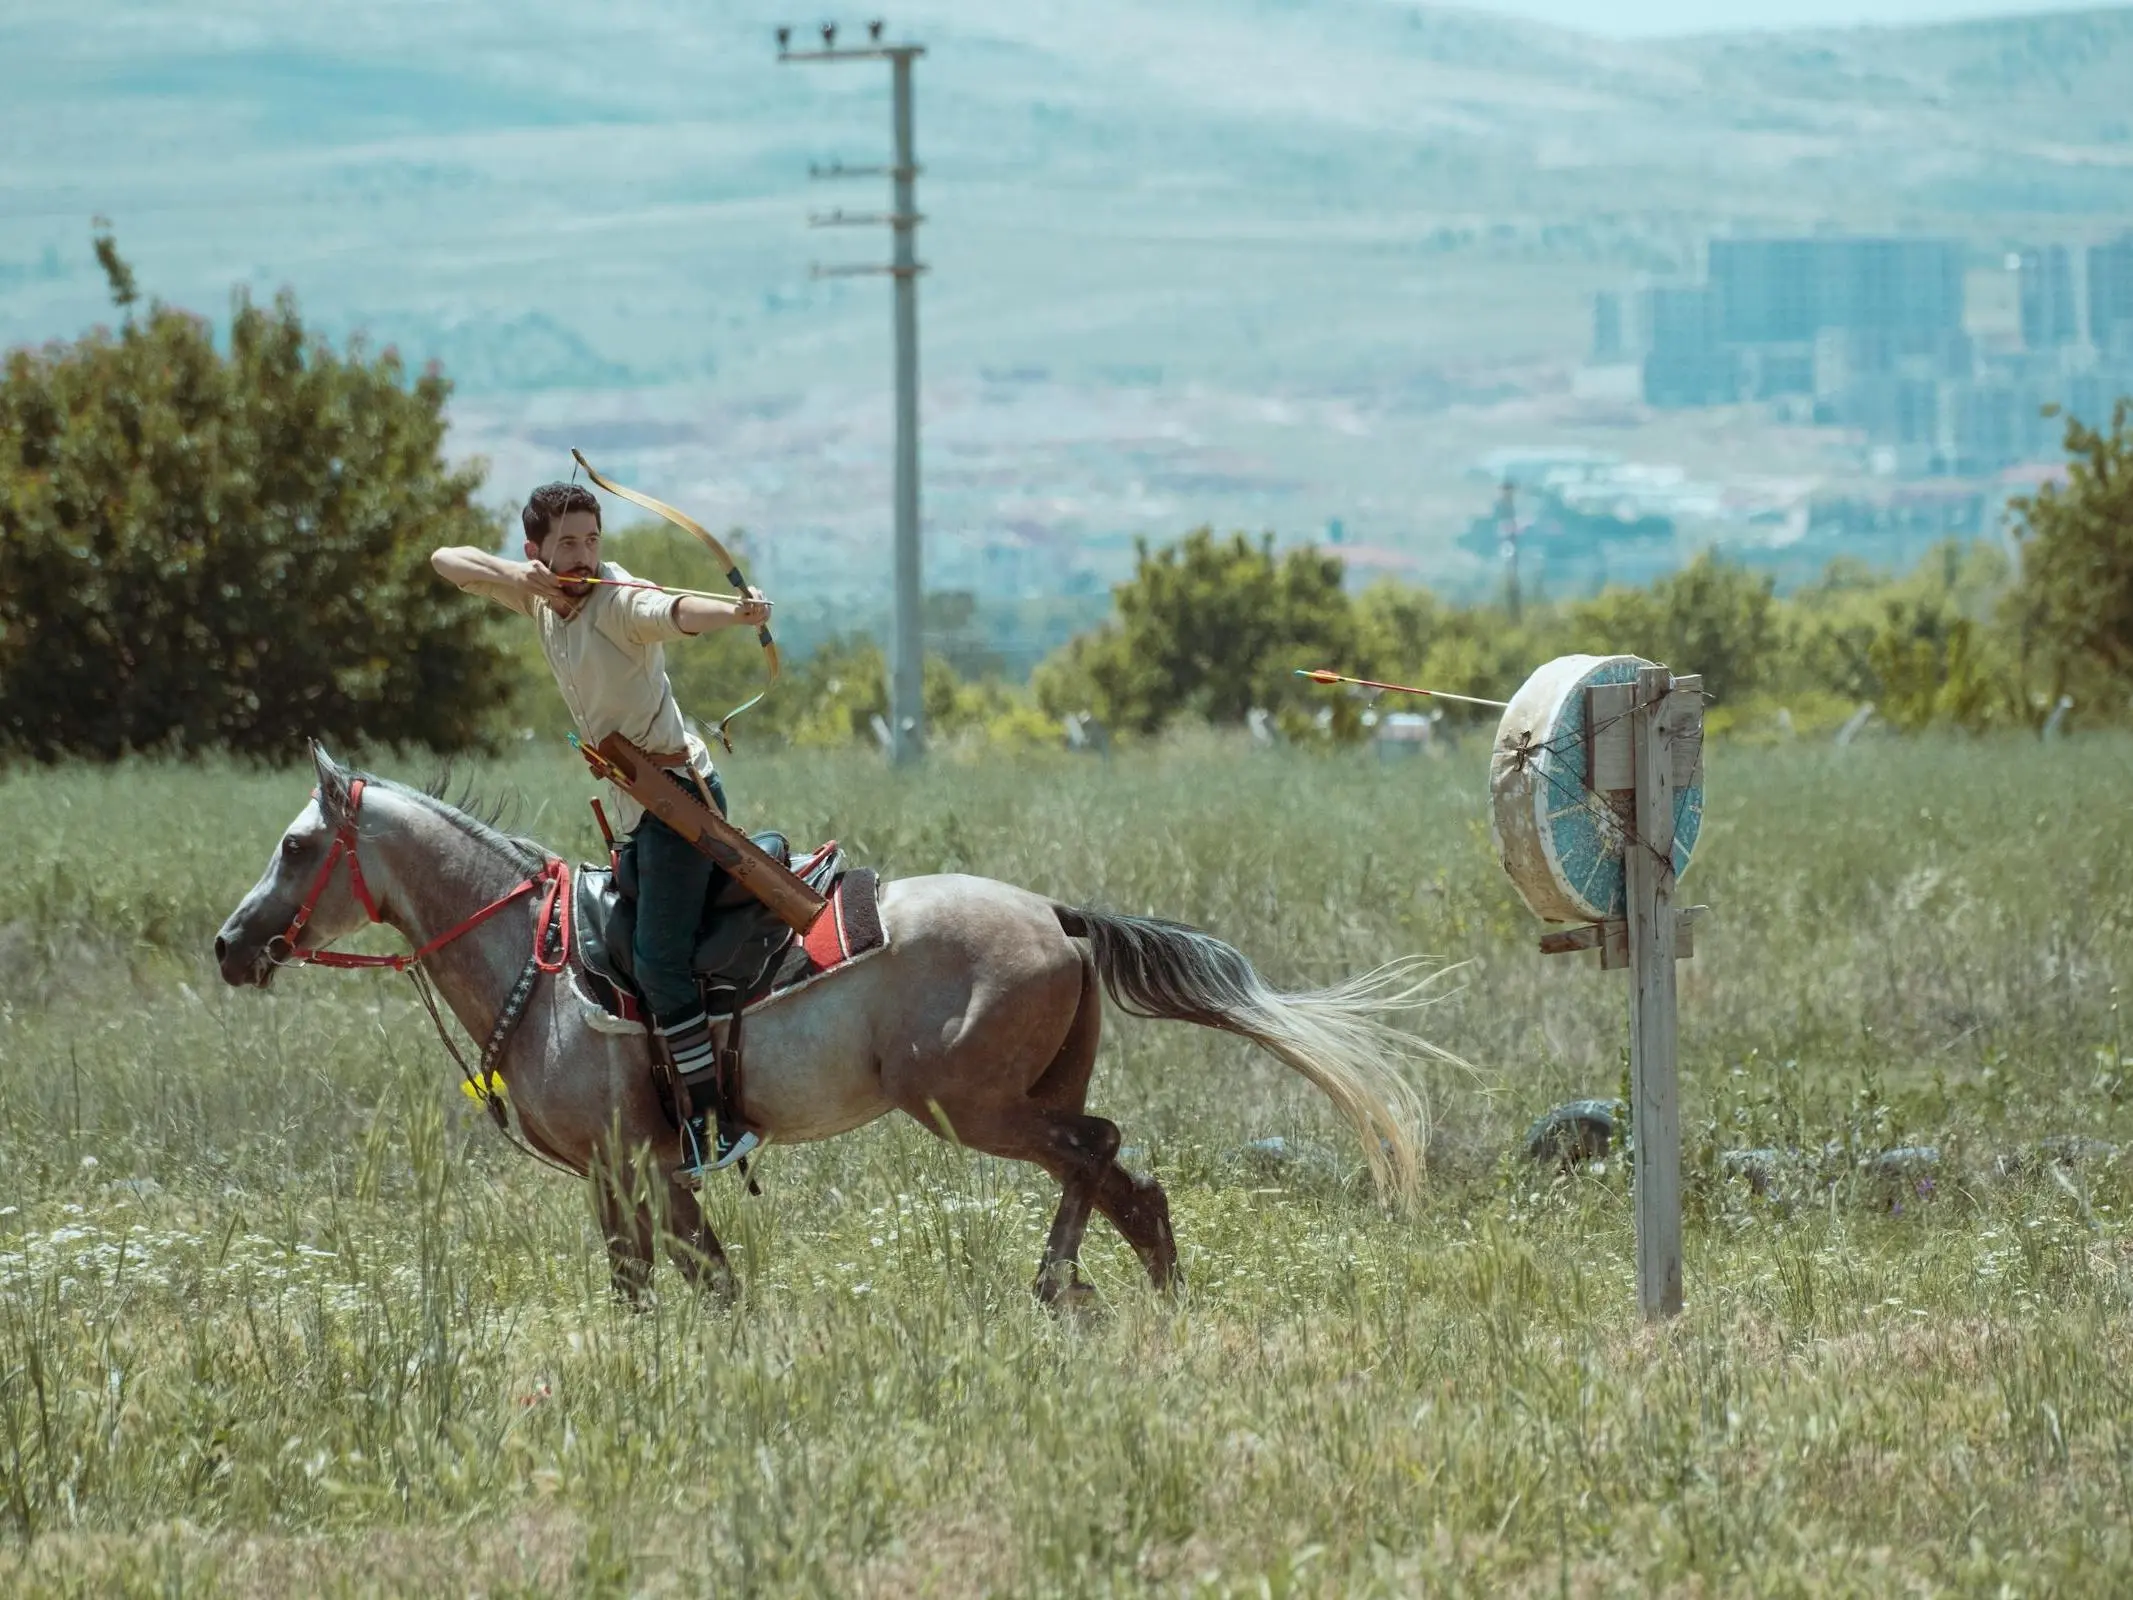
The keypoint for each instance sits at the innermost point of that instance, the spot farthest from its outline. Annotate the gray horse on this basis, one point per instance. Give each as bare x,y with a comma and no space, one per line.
980,1020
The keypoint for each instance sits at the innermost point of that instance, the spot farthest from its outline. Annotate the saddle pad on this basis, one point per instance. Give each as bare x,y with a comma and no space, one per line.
849,929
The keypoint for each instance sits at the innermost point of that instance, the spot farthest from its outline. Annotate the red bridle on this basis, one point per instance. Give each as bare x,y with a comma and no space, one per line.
554,915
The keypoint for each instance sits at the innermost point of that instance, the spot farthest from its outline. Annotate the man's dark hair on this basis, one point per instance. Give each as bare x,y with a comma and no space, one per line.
550,503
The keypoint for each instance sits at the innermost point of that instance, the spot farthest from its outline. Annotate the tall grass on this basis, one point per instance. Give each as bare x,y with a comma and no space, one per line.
279,1314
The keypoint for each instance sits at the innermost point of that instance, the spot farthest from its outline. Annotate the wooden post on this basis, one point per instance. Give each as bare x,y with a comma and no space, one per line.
1654,1098
1643,748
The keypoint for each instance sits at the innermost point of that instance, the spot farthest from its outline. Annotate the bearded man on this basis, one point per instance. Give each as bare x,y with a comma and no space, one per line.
604,635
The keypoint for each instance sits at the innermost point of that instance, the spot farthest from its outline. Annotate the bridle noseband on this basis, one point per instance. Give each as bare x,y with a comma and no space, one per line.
551,925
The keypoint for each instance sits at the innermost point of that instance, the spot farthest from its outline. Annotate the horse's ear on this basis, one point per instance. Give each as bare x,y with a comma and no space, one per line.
332,783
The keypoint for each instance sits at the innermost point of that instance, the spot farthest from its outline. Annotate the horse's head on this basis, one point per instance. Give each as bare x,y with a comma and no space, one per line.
256,937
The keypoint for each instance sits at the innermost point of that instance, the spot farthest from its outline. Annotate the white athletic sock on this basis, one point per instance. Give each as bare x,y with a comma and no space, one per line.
689,1042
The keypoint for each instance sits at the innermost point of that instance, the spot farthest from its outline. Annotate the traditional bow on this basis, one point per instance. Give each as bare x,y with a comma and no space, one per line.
723,556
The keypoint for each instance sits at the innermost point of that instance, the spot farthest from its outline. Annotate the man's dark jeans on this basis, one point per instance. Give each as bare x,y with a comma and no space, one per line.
673,876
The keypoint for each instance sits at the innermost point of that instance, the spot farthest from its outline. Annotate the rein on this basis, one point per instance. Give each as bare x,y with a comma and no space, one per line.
551,929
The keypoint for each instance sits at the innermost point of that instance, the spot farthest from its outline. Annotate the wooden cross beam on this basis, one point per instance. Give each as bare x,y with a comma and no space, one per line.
1611,938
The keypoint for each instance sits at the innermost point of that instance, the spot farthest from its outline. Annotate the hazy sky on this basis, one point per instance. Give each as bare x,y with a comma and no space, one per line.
1634,17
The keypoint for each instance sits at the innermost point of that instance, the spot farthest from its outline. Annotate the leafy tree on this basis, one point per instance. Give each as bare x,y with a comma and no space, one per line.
1921,647
1712,617
1930,668
1397,625
837,694
2072,609
1408,635
1208,628
231,550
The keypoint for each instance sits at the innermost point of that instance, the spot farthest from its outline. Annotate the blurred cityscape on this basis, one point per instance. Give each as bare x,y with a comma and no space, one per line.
1421,283
1871,337
1870,334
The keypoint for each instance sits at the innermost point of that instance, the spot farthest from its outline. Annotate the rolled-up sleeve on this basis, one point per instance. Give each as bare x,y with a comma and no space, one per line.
638,616
504,594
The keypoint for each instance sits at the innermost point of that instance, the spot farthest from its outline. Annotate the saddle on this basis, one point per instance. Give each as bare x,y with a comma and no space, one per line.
739,940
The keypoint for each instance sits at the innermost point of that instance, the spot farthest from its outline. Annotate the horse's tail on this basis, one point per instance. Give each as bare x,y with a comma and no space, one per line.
1334,1037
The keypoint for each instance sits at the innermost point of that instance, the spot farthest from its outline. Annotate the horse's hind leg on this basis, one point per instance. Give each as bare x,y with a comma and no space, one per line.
1057,1273
1083,1155
1081,1145
1081,1152
1075,1150
1140,1211
1044,1123
1136,1207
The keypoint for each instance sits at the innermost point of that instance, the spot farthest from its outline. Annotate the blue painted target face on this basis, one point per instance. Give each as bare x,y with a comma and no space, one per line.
1561,841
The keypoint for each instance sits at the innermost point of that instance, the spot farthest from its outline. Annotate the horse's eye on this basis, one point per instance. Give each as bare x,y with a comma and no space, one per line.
291,845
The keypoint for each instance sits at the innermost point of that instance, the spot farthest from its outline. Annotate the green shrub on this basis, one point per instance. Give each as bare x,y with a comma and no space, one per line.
213,548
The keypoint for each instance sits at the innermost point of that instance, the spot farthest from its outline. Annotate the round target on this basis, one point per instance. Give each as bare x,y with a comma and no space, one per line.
1558,835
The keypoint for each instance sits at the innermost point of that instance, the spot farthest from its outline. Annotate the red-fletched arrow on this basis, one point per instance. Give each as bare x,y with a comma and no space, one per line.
1325,675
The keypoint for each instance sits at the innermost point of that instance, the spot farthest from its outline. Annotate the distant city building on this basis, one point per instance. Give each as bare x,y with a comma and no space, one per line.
1544,467
2045,285
1588,518
1685,363
1888,304
1785,291
2089,395
1900,414
2111,298
1868,334
1608,345
1784,317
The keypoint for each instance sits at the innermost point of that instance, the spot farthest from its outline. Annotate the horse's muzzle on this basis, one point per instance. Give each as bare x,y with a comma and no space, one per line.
245,968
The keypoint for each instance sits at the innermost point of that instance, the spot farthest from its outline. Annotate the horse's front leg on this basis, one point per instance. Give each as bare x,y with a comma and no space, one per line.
694,1248
628,1226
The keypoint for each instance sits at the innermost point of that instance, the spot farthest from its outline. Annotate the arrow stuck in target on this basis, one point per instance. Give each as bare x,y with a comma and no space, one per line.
1324,675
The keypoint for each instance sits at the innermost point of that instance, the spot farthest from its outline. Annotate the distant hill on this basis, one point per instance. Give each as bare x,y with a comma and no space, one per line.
613,196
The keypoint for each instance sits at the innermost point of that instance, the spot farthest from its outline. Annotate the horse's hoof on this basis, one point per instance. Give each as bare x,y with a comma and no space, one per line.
1077,1302
1060,1288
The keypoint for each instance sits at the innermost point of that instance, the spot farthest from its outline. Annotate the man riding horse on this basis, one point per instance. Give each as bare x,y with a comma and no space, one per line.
605,636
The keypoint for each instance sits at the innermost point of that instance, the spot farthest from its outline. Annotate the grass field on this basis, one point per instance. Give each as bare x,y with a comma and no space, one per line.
279,1315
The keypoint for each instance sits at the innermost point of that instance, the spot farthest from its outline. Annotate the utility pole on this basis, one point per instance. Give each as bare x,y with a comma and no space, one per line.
907,711
1507,527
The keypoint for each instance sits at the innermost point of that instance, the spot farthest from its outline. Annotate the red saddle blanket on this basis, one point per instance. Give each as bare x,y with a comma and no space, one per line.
743,963
850,927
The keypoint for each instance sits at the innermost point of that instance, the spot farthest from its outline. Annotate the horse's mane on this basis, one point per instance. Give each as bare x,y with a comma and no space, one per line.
481,817
494,811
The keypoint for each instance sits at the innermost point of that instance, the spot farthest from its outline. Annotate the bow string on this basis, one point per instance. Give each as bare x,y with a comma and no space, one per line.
719,553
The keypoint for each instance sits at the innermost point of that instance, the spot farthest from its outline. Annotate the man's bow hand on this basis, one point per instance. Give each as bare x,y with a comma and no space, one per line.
699,613
752,610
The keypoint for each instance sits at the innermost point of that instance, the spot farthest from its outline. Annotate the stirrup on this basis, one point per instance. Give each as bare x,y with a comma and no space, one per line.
723,1154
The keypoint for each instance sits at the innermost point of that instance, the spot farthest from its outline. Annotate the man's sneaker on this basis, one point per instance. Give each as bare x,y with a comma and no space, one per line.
738,1148
704,1152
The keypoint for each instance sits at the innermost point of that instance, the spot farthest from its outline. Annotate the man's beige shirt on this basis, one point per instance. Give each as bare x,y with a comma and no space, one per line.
610,661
